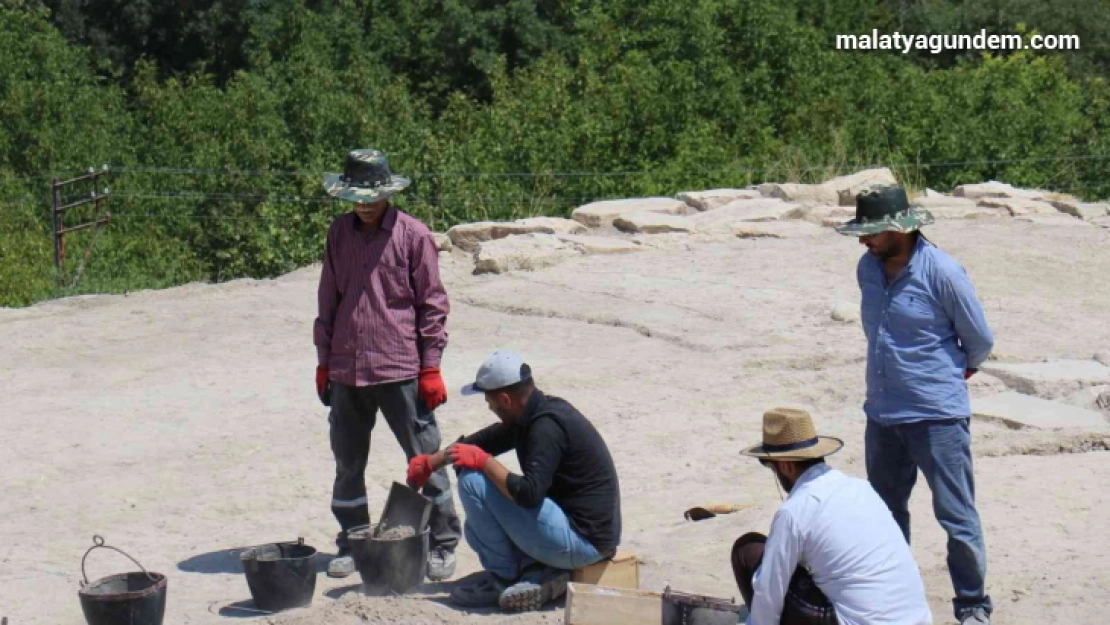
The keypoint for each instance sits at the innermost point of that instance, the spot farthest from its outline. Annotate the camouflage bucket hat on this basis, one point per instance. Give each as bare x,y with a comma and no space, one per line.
883,208
365,178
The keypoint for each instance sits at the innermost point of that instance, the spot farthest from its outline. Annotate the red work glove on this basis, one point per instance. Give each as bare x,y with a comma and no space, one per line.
322,384
969,372
432,389
420,471
469,456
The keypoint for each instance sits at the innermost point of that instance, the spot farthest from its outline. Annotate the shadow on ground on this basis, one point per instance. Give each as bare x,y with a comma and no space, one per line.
226,561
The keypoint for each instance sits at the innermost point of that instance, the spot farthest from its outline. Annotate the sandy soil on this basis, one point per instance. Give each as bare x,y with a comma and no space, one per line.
183,424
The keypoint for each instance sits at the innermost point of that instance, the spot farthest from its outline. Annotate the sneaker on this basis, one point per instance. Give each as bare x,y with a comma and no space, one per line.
975,616
478,590
441,564
539,585
342,565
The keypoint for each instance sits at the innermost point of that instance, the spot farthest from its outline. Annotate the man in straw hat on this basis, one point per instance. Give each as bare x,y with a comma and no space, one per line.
562,511
379,337
926,334
834,553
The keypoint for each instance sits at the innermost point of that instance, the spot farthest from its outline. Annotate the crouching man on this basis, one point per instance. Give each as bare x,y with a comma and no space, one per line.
529,530
834,554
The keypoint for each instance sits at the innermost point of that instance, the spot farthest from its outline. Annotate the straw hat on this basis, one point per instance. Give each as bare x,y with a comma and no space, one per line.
788,434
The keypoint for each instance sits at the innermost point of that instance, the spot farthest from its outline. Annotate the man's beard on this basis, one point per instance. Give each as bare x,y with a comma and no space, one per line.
786,482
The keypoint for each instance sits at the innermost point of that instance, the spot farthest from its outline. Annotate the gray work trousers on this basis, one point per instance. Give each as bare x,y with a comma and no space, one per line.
354,411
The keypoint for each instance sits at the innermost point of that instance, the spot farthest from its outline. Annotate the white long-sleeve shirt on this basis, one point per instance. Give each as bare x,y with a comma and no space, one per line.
839,529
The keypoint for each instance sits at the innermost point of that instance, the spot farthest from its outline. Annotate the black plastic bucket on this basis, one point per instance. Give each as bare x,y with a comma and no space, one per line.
387,565
123,599
683,609
280,575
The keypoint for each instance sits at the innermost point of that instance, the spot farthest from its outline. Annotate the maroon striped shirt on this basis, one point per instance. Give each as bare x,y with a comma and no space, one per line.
382,307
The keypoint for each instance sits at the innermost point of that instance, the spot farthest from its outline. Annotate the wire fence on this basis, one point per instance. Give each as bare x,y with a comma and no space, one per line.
467,198
171,224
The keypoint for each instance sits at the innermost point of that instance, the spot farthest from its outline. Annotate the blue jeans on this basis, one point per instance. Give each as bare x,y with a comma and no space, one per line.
942,450
508,537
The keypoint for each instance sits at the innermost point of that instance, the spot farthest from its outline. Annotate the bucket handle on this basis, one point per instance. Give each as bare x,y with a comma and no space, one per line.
98,543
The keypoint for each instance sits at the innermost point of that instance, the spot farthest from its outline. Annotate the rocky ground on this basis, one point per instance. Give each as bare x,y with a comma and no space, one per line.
182,424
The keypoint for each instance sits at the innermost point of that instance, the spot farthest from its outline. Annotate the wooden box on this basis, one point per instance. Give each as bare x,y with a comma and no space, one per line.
595,605
623,571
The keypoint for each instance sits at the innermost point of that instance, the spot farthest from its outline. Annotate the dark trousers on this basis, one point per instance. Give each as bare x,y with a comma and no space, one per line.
354,411
942,450
805,604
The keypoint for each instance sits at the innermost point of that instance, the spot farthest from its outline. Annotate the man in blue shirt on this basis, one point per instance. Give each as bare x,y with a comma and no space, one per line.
926,334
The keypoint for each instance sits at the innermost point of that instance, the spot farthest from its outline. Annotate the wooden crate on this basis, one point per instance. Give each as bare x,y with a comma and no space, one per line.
595,605
623,571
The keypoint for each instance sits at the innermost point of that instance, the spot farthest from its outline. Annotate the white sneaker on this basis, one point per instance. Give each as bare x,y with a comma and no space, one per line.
341,566
441,564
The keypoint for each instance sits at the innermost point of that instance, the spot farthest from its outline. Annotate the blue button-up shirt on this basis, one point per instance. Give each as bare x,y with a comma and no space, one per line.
924,328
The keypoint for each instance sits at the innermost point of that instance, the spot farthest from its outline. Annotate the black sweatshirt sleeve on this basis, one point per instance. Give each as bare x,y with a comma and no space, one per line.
547,442
495,439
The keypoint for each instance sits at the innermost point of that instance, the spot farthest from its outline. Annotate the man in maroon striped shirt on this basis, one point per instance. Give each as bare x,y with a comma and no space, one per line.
379,338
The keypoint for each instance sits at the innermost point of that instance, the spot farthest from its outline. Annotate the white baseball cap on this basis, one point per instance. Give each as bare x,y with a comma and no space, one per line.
503,368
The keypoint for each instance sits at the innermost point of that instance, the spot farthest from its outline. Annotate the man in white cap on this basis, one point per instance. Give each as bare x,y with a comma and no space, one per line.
379,336
834,554
561,513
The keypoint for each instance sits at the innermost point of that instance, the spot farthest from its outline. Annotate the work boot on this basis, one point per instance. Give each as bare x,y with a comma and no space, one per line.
342,565
539,585
478,590
441,564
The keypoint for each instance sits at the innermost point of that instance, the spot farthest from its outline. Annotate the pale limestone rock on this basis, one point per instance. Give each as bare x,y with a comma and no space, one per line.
848,187
1082,210
801,193
839,191
443,242
930,202
945,207
1101,222
1017,411
597,214
553,225
680,240
1059,219
976,212
834,222
522,253
722,219
776,230
599,245
716,198
653,223
995,189
468,236
1019,206
984,385
819,214
1091,398
1050,379
847,312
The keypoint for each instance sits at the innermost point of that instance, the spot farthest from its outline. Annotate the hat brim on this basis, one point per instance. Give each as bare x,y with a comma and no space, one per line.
825,446
908,221
335,187
472,389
